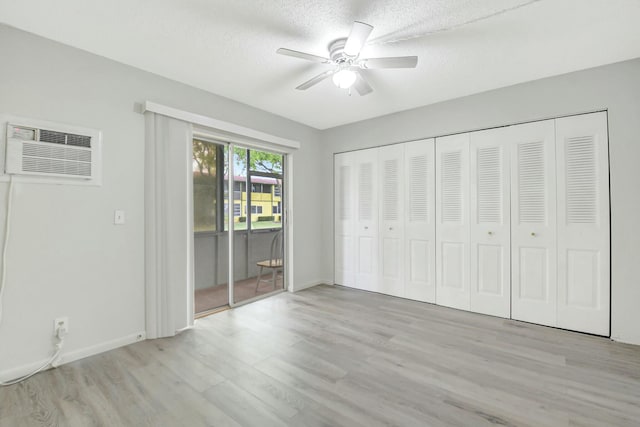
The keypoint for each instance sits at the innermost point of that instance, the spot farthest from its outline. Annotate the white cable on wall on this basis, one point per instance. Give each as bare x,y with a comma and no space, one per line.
50,362
7,229
60,332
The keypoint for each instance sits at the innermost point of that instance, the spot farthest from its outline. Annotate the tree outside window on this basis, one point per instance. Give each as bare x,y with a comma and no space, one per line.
257,171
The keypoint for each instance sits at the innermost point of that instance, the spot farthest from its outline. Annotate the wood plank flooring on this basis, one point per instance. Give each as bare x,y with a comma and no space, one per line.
331,356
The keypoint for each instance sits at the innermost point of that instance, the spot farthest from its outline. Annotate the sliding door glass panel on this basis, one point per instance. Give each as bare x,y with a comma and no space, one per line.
211,242
266,203
259,243
240,194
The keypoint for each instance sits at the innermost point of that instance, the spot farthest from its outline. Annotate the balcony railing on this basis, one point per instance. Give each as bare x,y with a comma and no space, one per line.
211,261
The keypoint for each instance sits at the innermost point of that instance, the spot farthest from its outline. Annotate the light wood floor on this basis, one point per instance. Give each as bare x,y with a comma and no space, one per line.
330,356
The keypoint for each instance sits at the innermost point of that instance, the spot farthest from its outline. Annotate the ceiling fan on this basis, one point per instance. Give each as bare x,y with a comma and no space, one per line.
347,66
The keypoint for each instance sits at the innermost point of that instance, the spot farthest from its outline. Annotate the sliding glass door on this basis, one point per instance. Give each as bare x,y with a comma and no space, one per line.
254,206
259,254
211,237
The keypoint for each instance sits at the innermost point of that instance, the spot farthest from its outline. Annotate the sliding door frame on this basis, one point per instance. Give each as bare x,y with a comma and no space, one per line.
229,144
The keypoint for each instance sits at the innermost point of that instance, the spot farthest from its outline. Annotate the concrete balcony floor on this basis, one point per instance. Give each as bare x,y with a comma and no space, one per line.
218,296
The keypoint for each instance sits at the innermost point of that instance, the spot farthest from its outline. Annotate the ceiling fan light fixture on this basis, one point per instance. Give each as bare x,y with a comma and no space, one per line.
344,79
348,69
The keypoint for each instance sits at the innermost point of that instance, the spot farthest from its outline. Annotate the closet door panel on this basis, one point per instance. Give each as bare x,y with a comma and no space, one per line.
419,242
391,163
366,259
490,262
366,229
490,279
452,221
583,223
533,223
344,221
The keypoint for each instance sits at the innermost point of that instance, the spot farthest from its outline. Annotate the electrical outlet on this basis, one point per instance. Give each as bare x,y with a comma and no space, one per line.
60,322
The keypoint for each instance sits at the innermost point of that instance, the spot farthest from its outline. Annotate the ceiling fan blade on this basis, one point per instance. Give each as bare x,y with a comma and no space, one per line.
302,55
361,85
317,79
357,38
391,62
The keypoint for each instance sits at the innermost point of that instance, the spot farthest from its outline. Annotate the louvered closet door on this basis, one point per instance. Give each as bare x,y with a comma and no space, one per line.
533,223
344,215
419,225
366,229
583,223
490,260
452,221
391,160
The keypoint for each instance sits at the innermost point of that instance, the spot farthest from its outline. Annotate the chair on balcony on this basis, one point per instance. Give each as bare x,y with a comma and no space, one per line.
274,263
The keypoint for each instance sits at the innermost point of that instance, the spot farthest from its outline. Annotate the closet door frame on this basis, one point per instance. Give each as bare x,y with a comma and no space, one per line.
534,229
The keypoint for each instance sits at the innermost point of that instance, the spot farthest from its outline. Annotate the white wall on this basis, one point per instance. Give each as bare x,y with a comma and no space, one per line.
66,258
615,87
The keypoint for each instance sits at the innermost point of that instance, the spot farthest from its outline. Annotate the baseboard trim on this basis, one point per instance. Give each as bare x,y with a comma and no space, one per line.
632,341
68,357
311,284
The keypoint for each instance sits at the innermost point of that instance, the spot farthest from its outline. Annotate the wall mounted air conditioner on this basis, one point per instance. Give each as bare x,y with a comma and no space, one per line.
46,151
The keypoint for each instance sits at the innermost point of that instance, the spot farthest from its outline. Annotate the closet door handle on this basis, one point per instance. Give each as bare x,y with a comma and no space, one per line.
390,228
366,228
533,234
490,233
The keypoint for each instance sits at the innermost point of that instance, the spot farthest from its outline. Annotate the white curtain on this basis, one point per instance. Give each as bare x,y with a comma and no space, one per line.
168,225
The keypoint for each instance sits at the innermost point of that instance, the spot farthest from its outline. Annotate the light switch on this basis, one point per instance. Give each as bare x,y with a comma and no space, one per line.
118,217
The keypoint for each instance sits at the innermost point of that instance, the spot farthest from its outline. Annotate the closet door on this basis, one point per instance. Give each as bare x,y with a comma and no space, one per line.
452,221
583,223
344,219
366,229
490,260
419,223
533,223
391,161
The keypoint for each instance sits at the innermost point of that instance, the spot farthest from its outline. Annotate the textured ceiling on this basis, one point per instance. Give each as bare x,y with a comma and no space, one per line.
228,47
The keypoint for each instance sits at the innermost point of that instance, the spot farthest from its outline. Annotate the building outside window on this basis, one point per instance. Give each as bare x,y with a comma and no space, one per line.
257,171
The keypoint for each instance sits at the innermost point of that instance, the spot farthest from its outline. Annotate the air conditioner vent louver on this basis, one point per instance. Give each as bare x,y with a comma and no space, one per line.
54,166
48,151
49,159
79,140
64,138
52,150
53,137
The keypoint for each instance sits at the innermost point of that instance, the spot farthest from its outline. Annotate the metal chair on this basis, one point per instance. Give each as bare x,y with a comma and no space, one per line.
274,262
